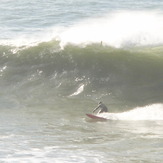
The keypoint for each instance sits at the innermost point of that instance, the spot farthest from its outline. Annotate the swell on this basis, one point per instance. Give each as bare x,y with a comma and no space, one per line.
46,71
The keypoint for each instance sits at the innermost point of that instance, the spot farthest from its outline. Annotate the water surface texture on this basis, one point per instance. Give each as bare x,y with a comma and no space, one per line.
59,58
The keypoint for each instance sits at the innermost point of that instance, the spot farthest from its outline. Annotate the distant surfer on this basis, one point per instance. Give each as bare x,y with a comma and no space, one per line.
102,108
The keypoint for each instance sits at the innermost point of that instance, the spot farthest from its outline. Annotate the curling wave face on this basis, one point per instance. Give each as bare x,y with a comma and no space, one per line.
94,71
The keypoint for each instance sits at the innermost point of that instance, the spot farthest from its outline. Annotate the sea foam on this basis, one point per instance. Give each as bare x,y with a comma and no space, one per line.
150,112
118,29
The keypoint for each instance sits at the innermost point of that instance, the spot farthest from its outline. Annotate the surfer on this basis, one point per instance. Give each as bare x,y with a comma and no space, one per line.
102,107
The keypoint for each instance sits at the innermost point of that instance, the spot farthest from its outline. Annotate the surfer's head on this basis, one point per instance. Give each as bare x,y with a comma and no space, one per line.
100,103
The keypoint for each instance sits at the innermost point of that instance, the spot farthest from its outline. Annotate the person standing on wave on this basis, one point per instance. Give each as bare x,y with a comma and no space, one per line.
102,108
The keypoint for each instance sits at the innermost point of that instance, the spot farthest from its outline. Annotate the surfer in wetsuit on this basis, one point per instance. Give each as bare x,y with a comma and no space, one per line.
102,107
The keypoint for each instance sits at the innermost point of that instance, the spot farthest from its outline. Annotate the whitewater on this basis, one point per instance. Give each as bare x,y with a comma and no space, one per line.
59,58
118,29
154,111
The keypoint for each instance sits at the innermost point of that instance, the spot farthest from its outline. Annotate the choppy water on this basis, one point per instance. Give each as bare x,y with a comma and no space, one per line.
48,135
59,58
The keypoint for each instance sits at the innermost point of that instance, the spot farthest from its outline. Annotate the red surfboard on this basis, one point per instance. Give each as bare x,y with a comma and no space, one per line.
95,117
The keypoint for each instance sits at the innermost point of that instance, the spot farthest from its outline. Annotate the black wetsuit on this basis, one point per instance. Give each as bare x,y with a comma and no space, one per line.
102,107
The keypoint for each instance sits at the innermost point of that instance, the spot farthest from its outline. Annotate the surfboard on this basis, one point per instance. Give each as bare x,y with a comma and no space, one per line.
95,117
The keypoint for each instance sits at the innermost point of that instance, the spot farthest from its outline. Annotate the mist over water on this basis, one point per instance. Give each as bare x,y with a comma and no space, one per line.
117,28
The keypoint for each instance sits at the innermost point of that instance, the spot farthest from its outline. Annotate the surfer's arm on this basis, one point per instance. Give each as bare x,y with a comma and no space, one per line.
96,108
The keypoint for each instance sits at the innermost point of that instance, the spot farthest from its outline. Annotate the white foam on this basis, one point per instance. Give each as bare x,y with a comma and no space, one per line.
151,112
118,29
78,91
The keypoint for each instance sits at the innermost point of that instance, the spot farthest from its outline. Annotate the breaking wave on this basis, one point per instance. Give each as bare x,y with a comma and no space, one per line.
117,58
45,71
117,29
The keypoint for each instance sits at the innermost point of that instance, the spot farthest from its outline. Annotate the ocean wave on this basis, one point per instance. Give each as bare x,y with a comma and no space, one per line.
93,71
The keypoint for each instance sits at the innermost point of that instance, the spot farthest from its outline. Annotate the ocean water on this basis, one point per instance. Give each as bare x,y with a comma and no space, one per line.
59,58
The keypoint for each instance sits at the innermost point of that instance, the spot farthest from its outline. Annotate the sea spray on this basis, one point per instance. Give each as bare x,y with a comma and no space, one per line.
122,28
119,29
152,112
